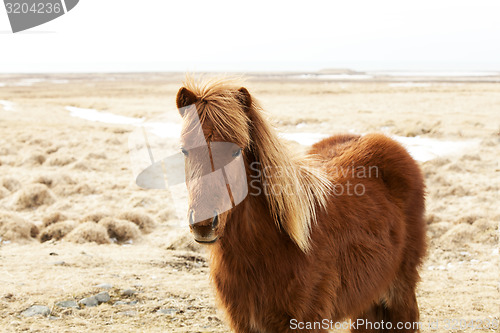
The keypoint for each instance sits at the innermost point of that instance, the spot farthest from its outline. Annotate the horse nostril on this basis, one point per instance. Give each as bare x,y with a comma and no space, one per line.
191,217
215,220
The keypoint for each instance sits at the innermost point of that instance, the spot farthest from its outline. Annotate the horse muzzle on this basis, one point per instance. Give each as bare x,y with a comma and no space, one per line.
204,231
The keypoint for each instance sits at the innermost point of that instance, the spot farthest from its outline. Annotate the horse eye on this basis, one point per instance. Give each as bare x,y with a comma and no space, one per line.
184,151
237,153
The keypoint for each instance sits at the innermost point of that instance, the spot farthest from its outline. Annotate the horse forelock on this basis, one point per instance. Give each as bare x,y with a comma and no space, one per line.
220,111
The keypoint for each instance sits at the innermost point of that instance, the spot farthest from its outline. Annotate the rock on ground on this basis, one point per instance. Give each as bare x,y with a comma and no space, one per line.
35,310
103,297
89,301
67,304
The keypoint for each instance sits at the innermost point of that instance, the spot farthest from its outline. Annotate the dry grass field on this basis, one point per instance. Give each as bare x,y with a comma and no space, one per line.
74,224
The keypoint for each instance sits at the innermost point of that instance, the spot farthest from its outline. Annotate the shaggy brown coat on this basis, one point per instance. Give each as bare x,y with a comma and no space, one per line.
313,252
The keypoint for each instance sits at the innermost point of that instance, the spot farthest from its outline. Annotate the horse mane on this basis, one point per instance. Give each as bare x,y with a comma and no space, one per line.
294,184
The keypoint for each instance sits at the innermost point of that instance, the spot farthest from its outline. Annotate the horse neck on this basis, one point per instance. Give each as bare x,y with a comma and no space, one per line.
252,230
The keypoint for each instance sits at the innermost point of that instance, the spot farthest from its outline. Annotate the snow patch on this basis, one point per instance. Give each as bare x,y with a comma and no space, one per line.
102,117
7,105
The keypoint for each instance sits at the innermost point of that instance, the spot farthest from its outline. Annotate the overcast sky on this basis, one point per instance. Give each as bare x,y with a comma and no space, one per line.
159,35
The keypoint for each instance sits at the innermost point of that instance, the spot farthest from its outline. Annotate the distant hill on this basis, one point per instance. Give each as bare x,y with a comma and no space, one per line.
339,71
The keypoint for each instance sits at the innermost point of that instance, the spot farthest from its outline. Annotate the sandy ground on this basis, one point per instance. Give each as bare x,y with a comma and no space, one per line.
56,167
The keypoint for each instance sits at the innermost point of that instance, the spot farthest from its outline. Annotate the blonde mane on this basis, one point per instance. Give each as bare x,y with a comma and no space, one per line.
294,184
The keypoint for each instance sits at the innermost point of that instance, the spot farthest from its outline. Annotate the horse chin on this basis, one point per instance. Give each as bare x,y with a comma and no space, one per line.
205,241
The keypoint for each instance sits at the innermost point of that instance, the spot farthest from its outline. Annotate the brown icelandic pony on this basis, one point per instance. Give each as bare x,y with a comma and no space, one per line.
344,240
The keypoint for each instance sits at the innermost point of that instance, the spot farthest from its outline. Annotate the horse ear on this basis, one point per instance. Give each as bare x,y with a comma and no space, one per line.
245,98
185,97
